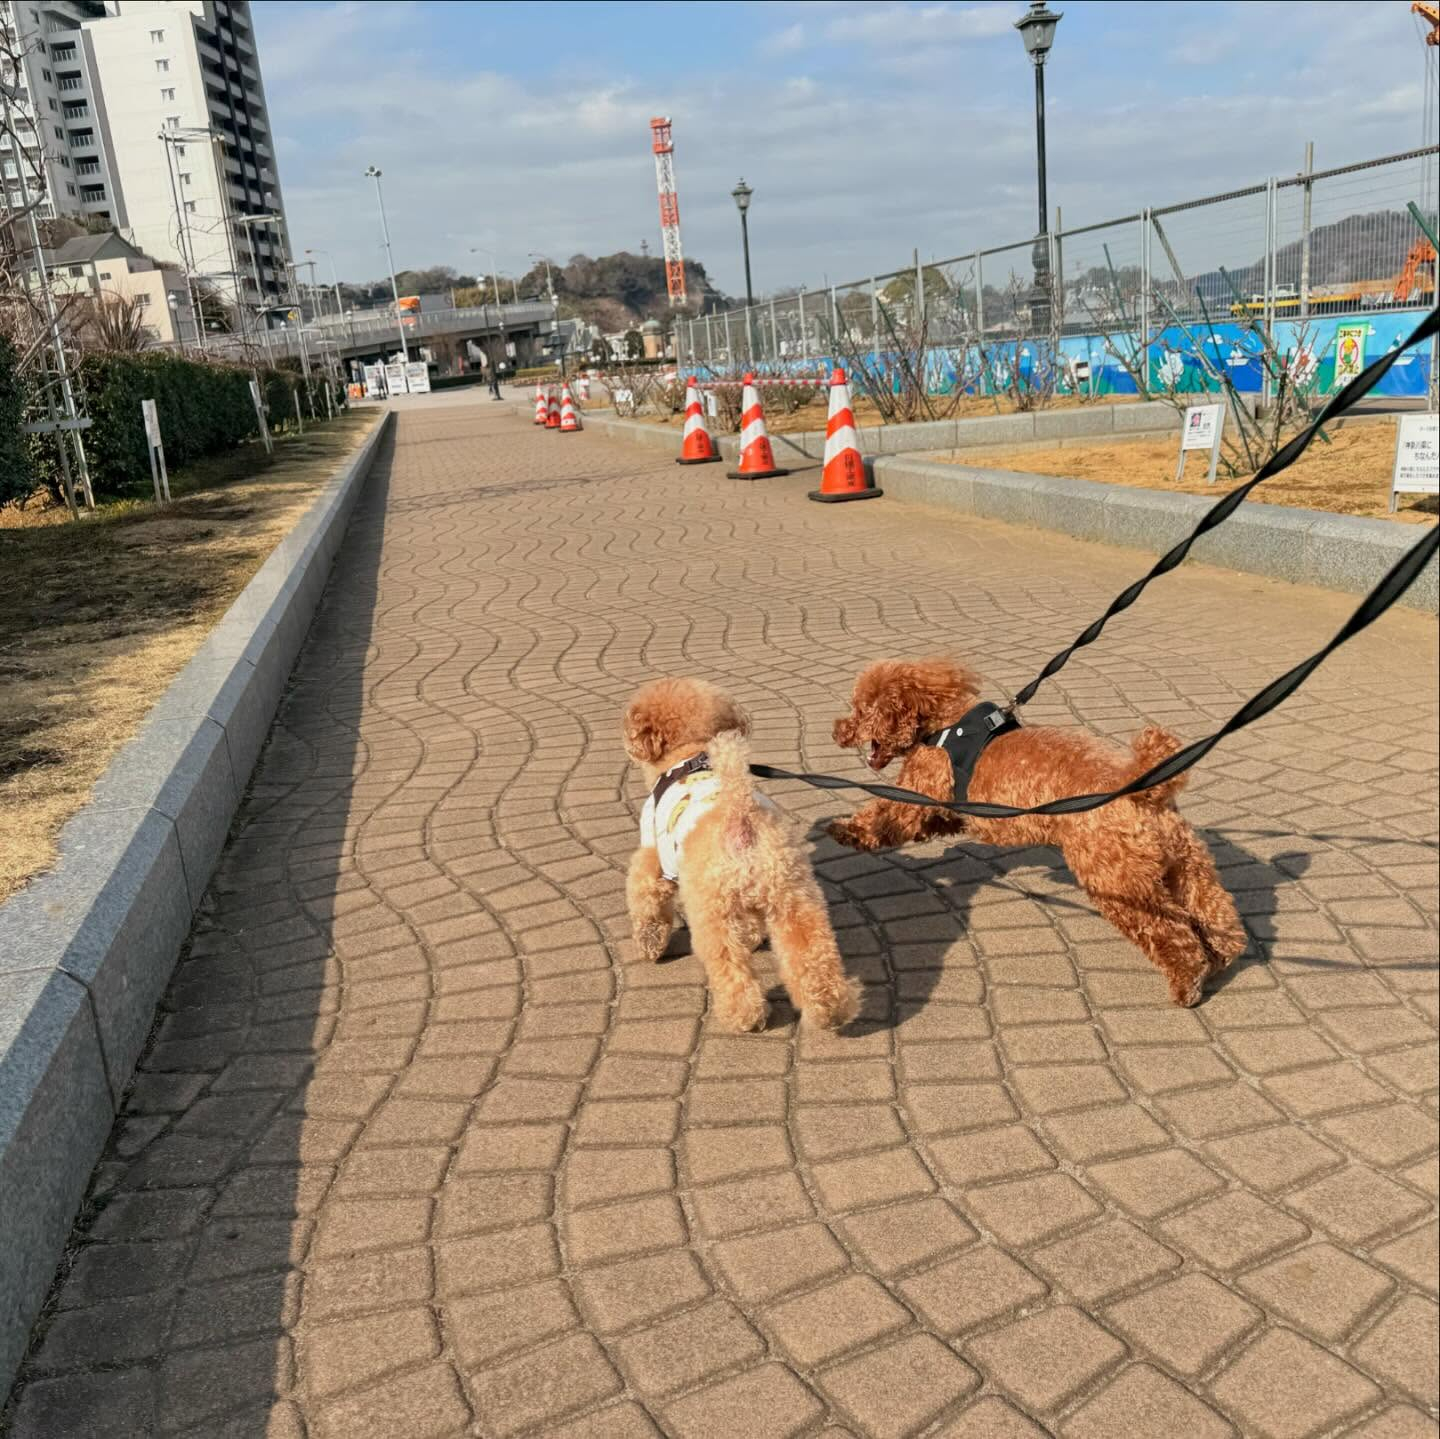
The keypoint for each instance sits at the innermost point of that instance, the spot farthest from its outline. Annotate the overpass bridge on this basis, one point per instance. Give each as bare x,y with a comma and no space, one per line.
371,335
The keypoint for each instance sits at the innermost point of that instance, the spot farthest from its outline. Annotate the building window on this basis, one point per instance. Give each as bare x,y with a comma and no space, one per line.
162,65
70,188
104,274
77,269
180,151
190,207
59,133
45,74
158,36
167,94
142,302
172,122
53,105
184,177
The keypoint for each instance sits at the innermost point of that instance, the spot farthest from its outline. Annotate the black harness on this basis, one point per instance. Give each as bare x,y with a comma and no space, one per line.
964,742
676,773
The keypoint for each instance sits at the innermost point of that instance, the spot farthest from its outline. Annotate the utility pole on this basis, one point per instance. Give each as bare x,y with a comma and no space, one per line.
374,173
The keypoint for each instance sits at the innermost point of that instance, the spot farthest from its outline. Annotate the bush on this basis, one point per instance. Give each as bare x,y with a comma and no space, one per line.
17,479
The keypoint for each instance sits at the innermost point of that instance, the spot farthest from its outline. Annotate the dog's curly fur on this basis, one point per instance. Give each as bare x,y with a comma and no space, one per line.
742,874
1143,866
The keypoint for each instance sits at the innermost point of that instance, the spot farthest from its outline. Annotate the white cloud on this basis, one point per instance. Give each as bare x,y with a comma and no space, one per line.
921,25
783,42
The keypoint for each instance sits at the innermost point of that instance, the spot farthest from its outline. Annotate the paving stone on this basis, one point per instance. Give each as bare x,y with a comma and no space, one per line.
631,1227
762,1266
884,1178
1187,1323
902,1236
838,1317
1285,1387
681,1352
1156,1184
768,1402
637,1291
1320,1289
1104,1259
1027,1211
896,1391
1046,1358
1143,1403
990,1418
1356,1204
597,1176
482,1327
1232,1230
977,1286
1404,1349
354,1352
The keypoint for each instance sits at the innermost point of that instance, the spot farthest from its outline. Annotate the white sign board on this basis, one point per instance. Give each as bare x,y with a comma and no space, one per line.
624,401
260,416
1417,457
374,382
712,405
395,378
417,377
156,447
1201,430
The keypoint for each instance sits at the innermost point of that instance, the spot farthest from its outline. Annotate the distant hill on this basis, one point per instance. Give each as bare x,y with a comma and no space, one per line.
613,292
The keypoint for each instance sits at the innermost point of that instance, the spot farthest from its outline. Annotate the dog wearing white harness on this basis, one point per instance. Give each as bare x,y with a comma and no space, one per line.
727,855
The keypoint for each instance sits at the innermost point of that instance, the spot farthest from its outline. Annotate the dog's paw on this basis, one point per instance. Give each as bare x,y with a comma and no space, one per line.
650,941
1187,990
848,833
742,1013
834,1008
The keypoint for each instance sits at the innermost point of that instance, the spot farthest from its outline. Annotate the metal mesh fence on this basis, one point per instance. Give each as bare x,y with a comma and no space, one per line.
1318,243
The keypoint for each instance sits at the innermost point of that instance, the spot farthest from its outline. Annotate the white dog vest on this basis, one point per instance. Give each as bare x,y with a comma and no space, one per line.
681,797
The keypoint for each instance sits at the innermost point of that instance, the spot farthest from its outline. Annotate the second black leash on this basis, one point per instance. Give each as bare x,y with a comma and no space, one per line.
1399,579
1283,458
1394,584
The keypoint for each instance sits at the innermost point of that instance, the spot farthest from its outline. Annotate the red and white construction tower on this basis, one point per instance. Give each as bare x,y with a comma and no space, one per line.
669,209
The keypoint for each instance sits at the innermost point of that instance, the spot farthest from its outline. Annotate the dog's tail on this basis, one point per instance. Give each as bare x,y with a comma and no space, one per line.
1150,746
730,762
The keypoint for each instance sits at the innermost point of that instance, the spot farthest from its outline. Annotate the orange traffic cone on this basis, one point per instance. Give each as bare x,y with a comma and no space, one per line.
696,446
844,475
542,407
552,413
569,419
757,459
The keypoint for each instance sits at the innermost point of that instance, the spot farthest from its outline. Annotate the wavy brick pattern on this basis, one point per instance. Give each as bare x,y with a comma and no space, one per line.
414,1151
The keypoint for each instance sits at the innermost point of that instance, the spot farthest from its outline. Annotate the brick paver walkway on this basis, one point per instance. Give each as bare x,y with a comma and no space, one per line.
415,1152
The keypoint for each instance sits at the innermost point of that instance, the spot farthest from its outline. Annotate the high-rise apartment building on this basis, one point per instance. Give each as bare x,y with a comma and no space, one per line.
151,114
52,103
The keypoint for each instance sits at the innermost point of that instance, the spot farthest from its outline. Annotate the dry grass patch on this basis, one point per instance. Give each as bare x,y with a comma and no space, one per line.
1349,476
99,616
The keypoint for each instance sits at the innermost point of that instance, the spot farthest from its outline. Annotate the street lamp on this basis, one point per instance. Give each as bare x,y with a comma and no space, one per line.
374,173
334,278
1037,30
741,195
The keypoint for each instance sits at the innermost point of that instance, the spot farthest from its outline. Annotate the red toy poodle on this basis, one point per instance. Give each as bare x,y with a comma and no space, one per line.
1143,866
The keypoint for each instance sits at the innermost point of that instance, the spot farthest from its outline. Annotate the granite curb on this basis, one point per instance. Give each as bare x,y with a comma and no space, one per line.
87,950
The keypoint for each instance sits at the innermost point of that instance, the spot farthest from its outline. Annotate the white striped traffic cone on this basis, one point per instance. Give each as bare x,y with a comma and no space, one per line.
552,411
569,419
542,406
757,459
584,383
696,446
844,474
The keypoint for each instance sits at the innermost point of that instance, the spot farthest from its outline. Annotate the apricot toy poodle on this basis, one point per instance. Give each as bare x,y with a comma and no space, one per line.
729,857
1144,868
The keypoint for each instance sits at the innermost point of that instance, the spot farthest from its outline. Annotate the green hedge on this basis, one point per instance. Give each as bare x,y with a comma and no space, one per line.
17,479
204,409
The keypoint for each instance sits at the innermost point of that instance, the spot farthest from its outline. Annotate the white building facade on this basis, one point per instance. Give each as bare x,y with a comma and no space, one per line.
150,115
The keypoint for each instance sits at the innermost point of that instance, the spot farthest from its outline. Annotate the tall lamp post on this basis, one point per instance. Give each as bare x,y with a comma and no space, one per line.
1037,30
374,173
741,195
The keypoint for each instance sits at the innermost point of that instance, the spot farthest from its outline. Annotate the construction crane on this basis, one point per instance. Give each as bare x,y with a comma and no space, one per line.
1409,280
669,209
1432,14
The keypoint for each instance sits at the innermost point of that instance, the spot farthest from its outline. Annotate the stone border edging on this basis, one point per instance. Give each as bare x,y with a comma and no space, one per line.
1307,547
87,950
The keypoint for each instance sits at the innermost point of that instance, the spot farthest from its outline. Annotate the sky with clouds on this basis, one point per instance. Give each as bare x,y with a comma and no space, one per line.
867,131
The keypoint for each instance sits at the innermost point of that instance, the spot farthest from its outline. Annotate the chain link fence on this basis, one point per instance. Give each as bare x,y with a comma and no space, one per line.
1122,295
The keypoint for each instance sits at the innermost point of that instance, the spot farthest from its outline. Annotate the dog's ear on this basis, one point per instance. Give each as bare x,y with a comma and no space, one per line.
729,715
843,732
644,738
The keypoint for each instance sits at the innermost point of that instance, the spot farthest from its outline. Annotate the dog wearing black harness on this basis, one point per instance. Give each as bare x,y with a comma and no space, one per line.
1144,868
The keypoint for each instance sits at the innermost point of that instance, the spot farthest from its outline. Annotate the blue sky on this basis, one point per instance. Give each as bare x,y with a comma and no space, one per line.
866,130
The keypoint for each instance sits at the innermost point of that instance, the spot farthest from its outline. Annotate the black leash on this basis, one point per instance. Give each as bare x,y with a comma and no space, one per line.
1226,506
1394,584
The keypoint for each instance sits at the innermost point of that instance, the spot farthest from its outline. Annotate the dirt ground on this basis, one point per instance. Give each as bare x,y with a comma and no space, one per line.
101,615
1349,476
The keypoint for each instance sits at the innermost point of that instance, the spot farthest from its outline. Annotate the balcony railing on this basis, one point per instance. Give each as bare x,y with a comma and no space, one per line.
83,141
87,167
69,82
90,194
